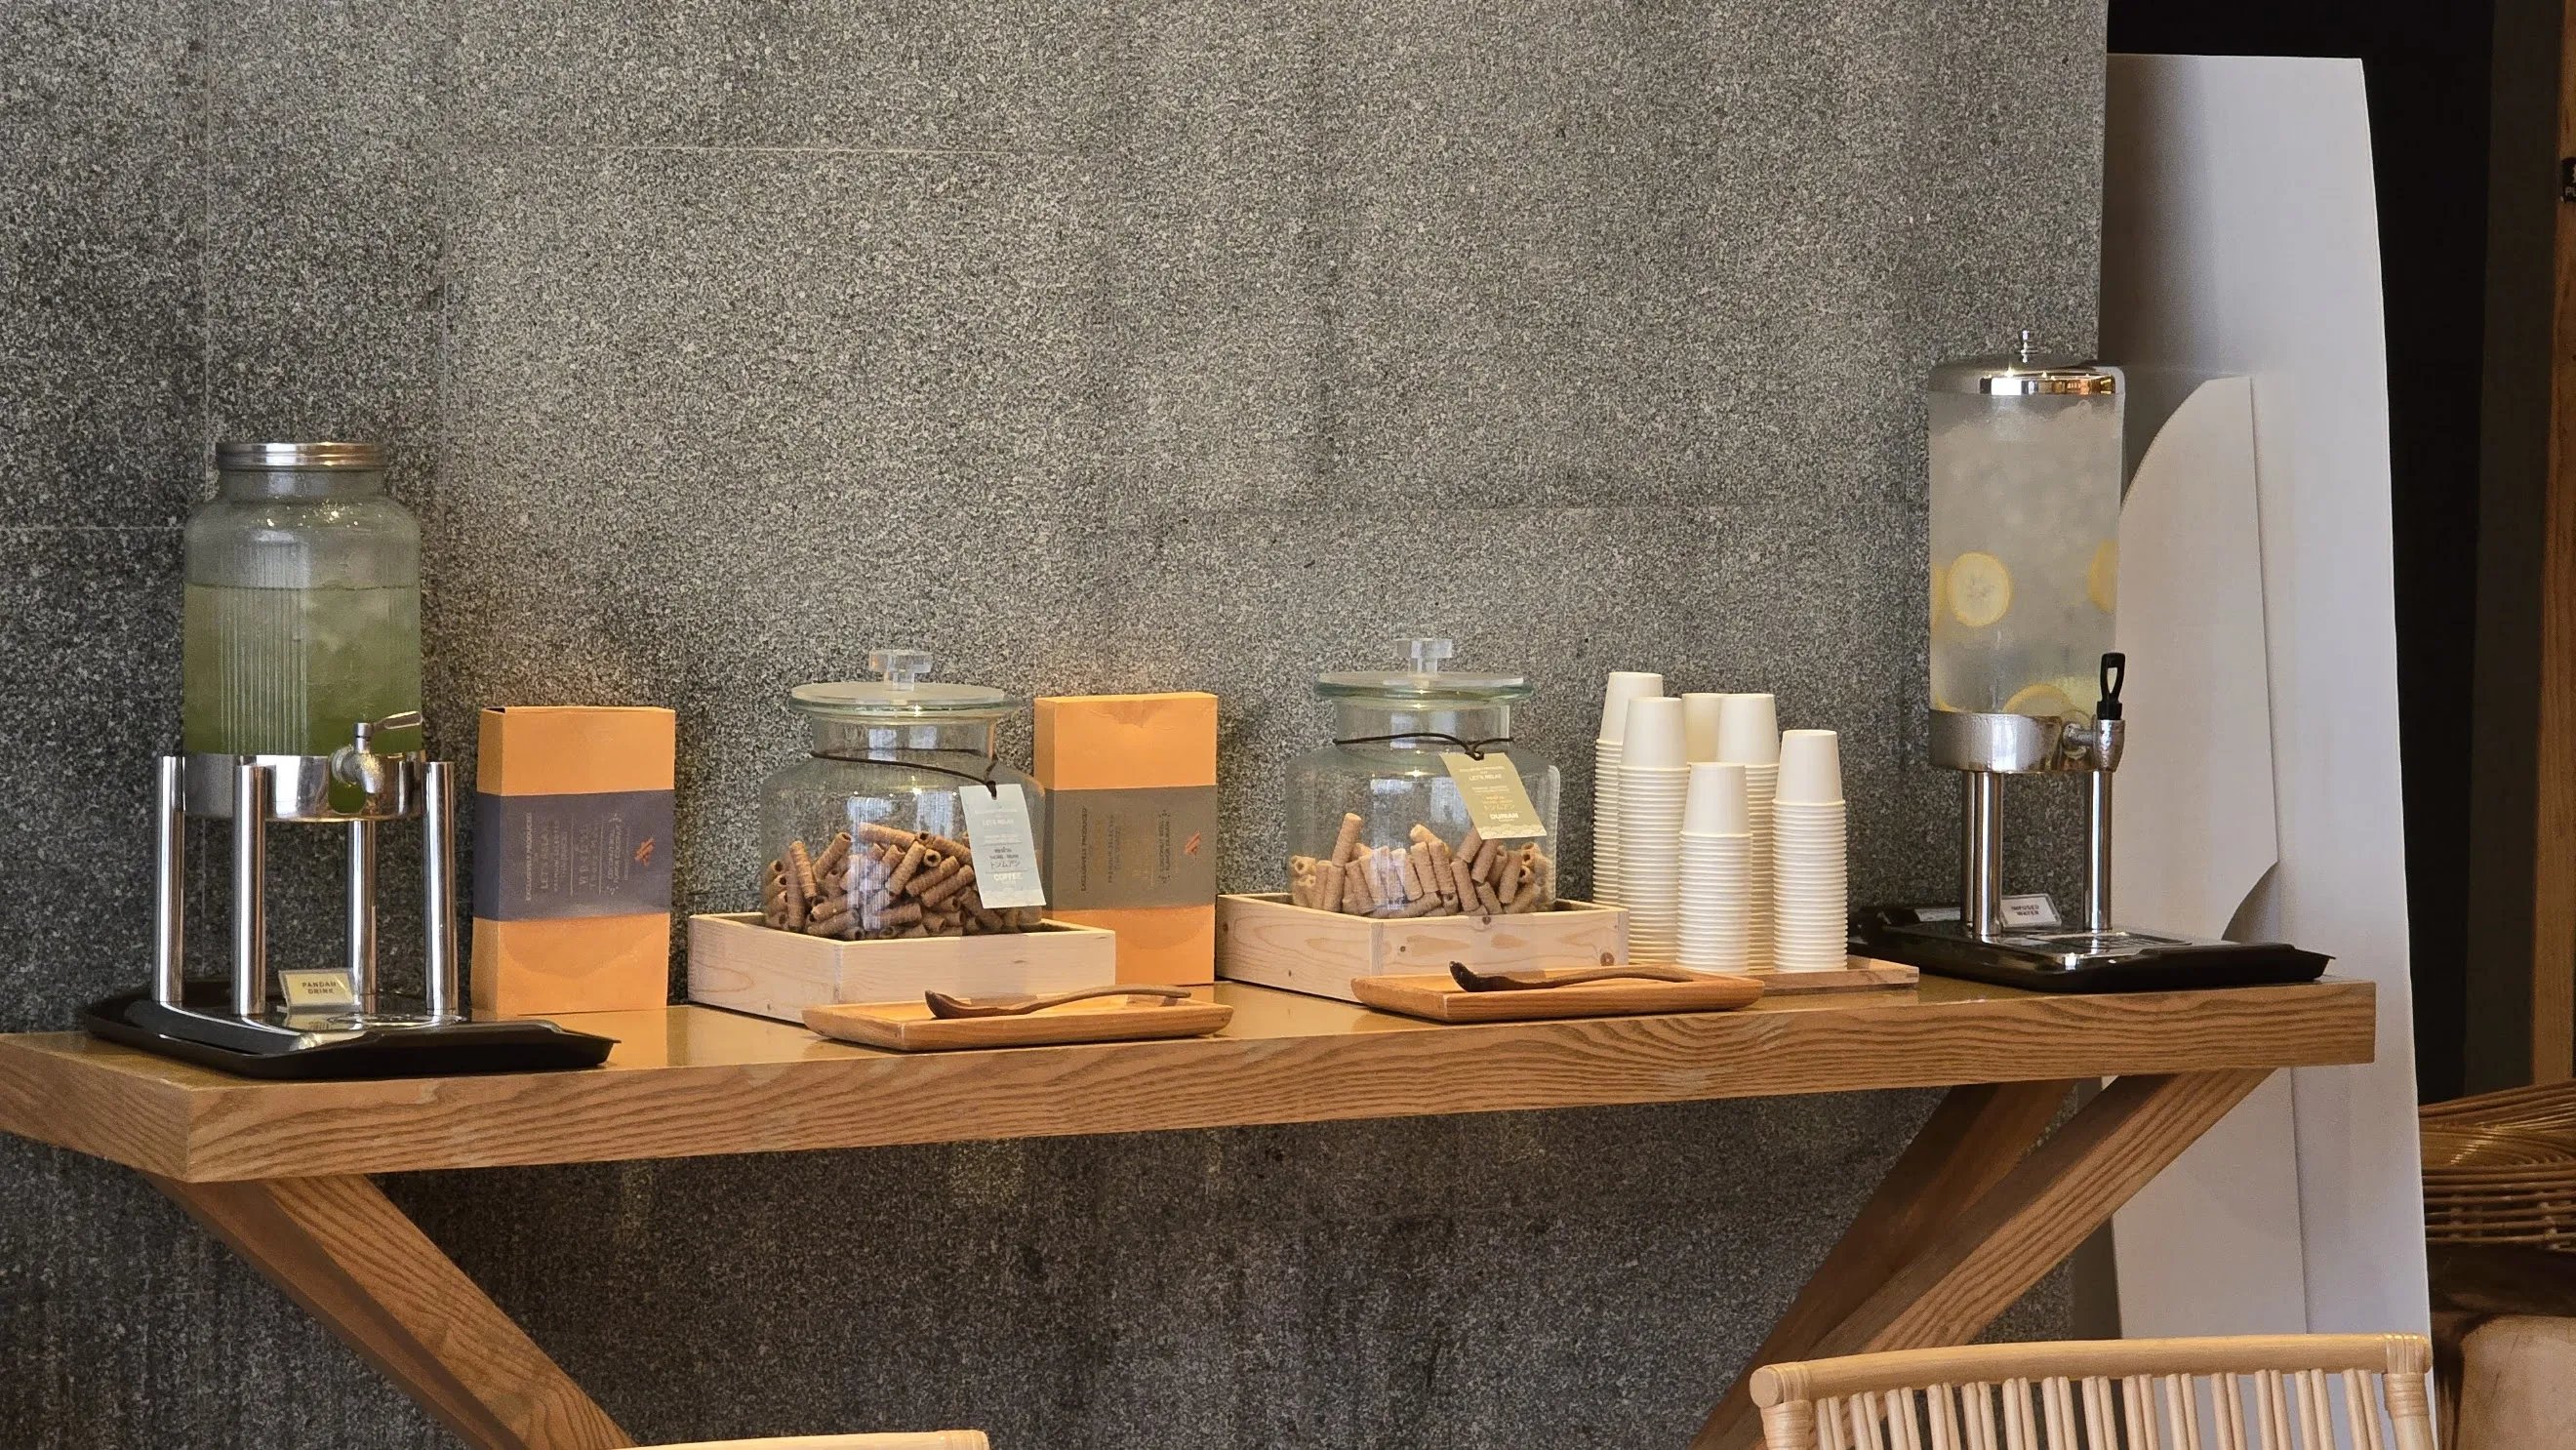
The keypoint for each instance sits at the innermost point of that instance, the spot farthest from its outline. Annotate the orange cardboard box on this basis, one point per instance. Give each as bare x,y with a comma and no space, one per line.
572,859
1131,826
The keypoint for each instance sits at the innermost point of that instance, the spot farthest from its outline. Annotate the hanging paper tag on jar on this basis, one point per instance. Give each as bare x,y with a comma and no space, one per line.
1006,853
1497,803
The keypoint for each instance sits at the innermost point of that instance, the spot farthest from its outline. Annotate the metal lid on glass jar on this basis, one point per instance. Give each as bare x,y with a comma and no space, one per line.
899,693
2024,372
300,455
1426,680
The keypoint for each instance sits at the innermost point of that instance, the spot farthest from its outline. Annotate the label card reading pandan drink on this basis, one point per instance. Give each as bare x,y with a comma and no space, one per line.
307,990
1006,851
1497,803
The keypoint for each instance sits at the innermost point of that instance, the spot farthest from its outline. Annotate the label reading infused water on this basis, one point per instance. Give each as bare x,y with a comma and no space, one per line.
1497,803
2032,911
1006,854
317,989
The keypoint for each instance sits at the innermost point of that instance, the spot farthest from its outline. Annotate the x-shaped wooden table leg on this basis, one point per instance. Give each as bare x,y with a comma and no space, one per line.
1969,1218
341,1249
1973,1215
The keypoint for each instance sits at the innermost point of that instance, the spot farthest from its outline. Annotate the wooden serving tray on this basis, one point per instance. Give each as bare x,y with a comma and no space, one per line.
1859,974
909,1027
1437,997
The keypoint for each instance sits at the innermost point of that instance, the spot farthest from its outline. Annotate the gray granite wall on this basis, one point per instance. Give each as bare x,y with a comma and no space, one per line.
1110,347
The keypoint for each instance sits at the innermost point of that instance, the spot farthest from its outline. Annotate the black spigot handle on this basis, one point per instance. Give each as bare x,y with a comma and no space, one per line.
2115,673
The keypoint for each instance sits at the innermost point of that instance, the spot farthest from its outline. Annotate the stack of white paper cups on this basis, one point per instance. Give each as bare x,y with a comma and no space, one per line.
1811,885
1748,734
1654,781
1715,889
1624,686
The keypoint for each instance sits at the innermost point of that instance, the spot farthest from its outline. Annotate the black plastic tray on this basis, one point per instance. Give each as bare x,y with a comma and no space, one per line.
2179,964
513,1045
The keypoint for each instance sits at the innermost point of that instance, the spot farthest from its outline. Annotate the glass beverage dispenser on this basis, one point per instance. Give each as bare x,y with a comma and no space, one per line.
2025,559
2025,532
300,702
2025,553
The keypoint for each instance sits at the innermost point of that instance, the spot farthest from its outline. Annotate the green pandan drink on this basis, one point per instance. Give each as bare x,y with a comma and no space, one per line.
302,603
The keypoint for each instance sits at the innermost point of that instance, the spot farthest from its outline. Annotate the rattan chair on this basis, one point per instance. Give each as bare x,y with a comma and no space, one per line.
2500,1168
2272,1392
924,1440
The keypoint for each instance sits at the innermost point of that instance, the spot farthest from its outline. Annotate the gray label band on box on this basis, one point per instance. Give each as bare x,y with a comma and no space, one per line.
541,857
1117,849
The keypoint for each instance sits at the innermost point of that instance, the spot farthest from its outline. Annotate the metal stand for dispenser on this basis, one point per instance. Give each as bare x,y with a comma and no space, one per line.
1977,939
362,1030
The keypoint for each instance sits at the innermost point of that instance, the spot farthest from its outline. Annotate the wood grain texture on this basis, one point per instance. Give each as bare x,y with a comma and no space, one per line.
1990,1254
688,1081
2553,886
909,1026
1437,997
736,962
1976,1136
1859,974
930,1440
1267,941
340,1249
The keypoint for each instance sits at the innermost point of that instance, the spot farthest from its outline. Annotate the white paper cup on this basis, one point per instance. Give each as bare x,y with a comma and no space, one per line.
1700,710
1605,821
1625,686
1748,729
1716,805
1653,737
1811,767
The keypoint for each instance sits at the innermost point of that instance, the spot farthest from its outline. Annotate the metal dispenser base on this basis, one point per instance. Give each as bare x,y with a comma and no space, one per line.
1975,941
235,1025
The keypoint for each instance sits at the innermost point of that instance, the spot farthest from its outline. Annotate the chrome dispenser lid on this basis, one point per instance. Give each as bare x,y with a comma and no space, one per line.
2024,372
300,455
900,693
1426,680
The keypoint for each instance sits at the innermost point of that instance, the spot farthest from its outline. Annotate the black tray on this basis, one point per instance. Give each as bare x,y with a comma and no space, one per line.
2159,964
512,1045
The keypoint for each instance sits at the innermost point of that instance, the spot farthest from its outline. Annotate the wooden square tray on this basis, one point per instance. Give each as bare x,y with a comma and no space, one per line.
1269,941
736,961
909,1027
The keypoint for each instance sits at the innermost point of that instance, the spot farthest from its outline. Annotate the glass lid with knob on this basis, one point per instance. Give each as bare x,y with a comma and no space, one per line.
1427,680
900,694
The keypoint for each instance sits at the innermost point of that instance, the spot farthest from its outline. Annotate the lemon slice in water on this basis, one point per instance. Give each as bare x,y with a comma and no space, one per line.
2102,576
1981,589
2044,700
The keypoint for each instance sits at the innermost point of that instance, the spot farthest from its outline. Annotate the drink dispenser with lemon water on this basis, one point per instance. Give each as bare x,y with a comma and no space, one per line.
2024,565
2025,533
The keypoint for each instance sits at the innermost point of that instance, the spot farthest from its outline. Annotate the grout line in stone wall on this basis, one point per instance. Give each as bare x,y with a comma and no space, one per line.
679,148
15,530
205,141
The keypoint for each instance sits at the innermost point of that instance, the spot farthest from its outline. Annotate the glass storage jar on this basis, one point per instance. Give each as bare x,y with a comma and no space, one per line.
1377,825
867,836
302,613
2025,531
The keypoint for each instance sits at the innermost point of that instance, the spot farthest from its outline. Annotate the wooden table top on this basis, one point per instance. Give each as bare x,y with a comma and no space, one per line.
687,1081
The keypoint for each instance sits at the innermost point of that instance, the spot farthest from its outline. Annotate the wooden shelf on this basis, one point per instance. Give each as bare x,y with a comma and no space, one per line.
689,1081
